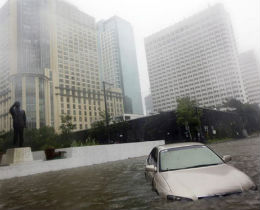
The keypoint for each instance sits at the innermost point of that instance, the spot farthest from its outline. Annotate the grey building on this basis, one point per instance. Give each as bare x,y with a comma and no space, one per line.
196,57
148,104
118,62
250,70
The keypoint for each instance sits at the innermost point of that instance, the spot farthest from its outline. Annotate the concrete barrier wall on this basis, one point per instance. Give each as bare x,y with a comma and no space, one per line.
39,155
79,156
106,152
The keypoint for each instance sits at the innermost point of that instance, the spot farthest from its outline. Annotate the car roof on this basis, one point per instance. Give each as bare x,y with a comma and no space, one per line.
176,145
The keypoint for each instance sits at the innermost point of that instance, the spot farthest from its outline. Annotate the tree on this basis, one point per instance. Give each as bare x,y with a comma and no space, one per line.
37,139
99,129
66,124
102,122
98,124
249,113
188,115
235,104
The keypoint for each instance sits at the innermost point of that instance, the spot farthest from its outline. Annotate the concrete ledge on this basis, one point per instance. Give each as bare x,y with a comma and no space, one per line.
79,156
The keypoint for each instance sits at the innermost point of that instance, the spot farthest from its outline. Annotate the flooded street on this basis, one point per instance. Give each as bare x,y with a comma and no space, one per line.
122,185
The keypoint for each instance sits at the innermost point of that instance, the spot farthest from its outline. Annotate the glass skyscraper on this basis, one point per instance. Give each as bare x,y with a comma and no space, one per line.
118,62
24,57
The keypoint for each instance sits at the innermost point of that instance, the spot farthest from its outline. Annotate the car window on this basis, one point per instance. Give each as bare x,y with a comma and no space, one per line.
187,157
152,159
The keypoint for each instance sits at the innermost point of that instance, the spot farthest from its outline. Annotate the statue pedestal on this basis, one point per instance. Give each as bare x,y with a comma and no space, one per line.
18,155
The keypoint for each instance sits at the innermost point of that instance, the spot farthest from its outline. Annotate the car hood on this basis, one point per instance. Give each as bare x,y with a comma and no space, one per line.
207,181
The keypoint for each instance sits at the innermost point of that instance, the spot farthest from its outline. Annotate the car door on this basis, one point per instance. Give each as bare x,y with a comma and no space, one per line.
158,182
151,160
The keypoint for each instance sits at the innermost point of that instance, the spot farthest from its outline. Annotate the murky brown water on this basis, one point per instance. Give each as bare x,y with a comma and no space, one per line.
122,185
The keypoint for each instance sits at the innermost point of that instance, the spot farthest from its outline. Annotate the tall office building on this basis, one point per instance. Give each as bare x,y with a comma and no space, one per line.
196,57
250,69
148,104
118,62
49,62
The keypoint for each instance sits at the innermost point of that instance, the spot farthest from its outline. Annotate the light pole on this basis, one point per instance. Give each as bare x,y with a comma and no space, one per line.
106,113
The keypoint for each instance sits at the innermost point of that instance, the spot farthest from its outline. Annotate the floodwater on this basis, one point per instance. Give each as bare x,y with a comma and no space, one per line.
122,185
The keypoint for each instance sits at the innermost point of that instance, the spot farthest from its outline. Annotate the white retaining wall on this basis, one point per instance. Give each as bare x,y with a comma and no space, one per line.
79,156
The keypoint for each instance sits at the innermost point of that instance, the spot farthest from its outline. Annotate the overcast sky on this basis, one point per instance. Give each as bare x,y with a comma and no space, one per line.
149,16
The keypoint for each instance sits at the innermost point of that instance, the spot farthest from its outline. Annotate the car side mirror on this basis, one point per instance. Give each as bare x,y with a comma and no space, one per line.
150,168
227,158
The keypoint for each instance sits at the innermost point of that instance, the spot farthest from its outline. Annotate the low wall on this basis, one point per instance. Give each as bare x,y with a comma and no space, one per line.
79,156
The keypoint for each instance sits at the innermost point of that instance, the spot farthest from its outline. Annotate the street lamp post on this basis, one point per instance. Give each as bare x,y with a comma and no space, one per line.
106,113
199,134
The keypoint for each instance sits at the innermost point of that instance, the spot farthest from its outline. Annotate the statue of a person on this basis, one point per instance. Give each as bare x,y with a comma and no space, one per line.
19,122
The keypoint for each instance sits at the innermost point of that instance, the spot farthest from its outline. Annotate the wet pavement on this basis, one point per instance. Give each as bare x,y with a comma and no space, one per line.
122,185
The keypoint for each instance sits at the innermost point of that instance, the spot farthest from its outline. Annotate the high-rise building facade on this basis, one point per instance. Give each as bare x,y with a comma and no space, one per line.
118,62
196,57
148,104
49,62
250,70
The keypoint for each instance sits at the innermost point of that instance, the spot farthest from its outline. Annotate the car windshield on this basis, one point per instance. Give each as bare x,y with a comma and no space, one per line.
187,157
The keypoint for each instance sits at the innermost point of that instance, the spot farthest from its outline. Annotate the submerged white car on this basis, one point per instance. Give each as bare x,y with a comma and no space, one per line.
192,171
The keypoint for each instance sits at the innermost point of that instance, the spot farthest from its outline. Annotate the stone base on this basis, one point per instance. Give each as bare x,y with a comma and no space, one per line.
3,161
18,155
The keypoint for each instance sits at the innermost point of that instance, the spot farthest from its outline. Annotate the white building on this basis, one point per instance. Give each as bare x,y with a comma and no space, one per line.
250,71
196,57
